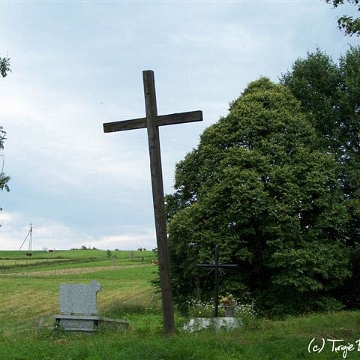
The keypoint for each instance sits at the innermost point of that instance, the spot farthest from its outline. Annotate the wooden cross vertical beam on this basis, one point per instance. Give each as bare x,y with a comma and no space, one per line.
152,123
158,201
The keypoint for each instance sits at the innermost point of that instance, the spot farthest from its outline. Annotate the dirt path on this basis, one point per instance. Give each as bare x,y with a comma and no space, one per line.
71,271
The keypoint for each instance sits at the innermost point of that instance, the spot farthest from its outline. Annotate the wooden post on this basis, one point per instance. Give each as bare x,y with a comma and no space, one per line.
152,123
158,200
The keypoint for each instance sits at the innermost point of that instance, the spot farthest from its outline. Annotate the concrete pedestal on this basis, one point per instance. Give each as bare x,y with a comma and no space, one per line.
87,323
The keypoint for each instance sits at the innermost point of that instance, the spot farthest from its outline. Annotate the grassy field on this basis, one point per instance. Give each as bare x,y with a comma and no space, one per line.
30,289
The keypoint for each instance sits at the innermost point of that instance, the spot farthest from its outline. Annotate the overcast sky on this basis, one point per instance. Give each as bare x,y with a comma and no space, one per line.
78,64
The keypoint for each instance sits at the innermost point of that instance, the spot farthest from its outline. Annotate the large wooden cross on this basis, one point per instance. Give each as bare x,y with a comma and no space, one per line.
216,267
152,121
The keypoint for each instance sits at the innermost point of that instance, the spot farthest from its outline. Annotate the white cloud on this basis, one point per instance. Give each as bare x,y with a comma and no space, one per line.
78,65
52,234
132,239
46,233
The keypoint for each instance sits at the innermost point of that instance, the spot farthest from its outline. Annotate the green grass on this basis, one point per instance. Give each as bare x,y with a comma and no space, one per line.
29,299
16,261
76,255
288,339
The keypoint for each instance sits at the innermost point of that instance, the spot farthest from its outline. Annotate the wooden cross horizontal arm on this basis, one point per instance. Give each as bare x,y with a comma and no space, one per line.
171,119
152,121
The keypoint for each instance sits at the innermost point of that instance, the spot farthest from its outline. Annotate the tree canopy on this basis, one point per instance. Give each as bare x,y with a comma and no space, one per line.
347,23
330,93
262,187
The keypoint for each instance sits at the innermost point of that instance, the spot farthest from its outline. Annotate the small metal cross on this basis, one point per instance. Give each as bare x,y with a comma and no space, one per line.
217,266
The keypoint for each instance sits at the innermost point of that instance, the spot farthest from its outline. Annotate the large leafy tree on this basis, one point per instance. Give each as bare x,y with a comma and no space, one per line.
330,93
347,23
316,81
261,187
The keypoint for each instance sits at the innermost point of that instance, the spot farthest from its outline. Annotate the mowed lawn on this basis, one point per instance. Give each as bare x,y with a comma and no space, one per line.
30,287
29,299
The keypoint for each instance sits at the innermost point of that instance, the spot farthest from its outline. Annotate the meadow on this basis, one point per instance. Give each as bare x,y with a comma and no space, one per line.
29,299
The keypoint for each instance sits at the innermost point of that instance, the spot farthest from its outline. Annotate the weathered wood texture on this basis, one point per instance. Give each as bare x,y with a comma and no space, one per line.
158,200
141,123
152,123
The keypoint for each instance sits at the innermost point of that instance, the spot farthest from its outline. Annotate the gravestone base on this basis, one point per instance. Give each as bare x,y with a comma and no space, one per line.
78,310
218,323
88,323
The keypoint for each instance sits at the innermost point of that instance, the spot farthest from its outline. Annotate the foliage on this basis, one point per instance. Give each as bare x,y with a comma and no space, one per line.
347,23
4,69
330,93
315,82
261,187
3,178
228,300
4,66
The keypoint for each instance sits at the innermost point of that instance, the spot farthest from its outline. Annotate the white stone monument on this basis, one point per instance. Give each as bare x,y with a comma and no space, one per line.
79,311
79,298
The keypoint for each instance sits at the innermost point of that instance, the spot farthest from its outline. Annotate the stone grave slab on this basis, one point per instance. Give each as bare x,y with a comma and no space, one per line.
79,298
78,309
